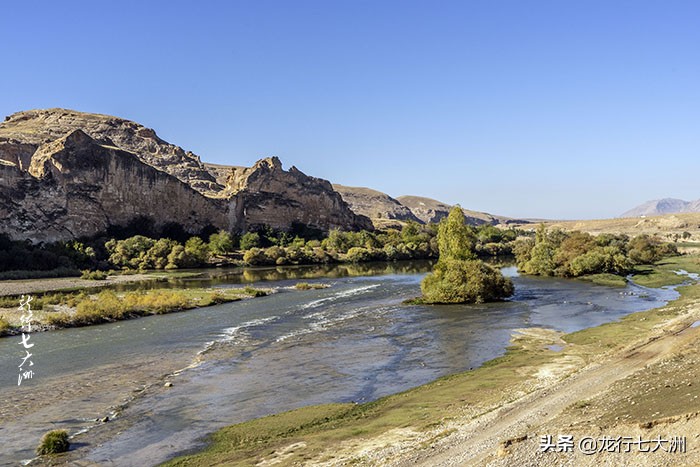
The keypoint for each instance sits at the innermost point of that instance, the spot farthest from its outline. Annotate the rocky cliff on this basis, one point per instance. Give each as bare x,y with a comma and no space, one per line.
23,132
430,210
67,174
381,208
266,194
77,187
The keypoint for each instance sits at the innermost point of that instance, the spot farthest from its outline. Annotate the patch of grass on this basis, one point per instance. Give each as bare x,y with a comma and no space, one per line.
9,301
253,292
53,442
582,404
310,286
321,426
108,306
94,275
5,326
610,280
662,273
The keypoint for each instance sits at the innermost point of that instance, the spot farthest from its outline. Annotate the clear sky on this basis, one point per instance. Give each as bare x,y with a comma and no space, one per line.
561,109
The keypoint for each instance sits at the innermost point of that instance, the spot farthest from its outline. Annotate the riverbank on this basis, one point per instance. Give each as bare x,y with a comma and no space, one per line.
77,309
612,380
36,286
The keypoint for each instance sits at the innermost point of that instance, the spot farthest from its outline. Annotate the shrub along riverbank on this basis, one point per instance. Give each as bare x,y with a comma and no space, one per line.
575,254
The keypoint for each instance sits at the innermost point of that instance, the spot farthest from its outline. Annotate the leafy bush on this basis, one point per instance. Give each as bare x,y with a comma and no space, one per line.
254,292
106,307
465,281
457,277
94,275
4,326
358,254
575,254
221,243
648,250
60,319
53,442
250,240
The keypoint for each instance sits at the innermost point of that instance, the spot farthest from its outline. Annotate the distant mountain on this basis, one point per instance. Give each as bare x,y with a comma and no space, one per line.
659,207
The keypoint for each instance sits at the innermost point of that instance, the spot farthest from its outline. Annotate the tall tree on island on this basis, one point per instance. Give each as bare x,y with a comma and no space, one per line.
458,277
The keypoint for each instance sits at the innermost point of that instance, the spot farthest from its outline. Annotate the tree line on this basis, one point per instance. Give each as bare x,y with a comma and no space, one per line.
263,246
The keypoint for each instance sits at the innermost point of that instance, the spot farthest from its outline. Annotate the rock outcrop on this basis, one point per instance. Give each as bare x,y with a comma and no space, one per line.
76,187
266,194
67,174
381,208
23,132
430,210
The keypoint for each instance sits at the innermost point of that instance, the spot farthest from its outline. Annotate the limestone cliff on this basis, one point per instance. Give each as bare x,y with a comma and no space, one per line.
266,194
67,174
76,187
23,132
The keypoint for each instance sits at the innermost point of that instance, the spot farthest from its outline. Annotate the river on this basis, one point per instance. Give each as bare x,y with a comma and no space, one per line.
354,341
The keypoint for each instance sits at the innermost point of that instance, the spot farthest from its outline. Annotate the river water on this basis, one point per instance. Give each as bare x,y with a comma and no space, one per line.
354,341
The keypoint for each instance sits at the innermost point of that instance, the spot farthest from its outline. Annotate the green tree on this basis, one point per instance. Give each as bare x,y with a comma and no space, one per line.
197,251
465,281
541,256
157,255
131,252
458,277
455,239
250,240
221,243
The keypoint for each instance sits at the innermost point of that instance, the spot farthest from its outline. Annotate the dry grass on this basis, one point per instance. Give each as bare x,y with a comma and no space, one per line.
668,224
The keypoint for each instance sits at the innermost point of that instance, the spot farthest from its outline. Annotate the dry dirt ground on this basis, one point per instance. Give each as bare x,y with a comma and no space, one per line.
657,225
649,390
29,286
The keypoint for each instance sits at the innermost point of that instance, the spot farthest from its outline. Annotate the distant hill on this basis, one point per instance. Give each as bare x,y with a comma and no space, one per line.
430,210
385,211
381,208
663,206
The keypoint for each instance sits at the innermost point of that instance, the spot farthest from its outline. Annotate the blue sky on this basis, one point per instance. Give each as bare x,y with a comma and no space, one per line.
560,109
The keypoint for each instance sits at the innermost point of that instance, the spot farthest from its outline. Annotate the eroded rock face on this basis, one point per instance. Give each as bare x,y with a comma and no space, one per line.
77,187
23,132
266,194
429,210
65,175
378,206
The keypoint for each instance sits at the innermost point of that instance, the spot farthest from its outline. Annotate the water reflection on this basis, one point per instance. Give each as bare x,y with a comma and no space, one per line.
214,277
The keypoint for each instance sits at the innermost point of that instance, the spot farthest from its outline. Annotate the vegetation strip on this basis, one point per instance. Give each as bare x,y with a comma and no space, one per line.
62,310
